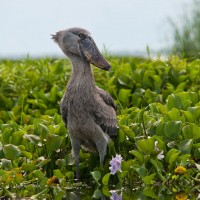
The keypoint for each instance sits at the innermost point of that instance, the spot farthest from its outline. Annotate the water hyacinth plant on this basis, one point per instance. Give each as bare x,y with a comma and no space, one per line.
159,130
115,164
115,195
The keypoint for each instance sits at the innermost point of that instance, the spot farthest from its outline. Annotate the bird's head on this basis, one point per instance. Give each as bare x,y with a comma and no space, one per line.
78,42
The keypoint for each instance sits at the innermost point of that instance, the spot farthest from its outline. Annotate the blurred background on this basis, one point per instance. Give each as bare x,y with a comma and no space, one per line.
125,27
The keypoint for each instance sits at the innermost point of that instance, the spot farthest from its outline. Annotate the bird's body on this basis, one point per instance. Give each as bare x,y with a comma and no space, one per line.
87,110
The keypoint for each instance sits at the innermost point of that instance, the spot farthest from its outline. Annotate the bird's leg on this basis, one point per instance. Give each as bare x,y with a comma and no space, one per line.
75,151
102,148
77,168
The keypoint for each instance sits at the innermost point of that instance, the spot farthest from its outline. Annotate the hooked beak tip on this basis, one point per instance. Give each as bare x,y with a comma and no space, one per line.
107,68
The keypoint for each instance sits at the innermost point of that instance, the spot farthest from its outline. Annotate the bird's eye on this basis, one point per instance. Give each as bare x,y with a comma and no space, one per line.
81,35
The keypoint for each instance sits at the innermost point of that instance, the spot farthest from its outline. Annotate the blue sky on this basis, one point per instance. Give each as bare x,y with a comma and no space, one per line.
128,25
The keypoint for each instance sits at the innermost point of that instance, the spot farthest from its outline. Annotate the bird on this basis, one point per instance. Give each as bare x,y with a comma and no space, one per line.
89,112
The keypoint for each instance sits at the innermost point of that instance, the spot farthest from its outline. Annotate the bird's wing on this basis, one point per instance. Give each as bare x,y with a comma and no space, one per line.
106,97
104,112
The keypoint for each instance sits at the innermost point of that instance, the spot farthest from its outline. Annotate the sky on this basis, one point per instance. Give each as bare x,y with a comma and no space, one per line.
118,26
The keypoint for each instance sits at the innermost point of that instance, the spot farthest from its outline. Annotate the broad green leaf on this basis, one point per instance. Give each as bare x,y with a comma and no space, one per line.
41,129
146,145
138,156
160,130
28,167
105,191
174,115
17,137
53,94
142,171
195,112
32,138
121,136
170,153
191,131
124,95
148,180
173,158
70,175
128,131
174,101
96,175
111,148
6,164
157,82
188,116
105,179
97,194
53,142
185,146
27,154
148,191
184,159
70,160
58,173
11,151
6,135
157,164
126,165
173,129
37,174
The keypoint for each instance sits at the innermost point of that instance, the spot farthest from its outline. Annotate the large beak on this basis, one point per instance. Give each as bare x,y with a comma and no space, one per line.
90,51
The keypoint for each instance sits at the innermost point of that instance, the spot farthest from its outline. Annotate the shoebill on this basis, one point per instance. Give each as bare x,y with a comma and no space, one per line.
88,111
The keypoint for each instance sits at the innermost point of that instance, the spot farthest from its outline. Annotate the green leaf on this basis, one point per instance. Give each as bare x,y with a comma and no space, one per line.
121,136
188,116
11,151
97,194
6,135
70,175
58,173
126,165
6,164
142,171
105,191
184,159
32,138
173,158
111,148
149,193
124,95
170,153
160,129
157,164
191,131
146,146
53,94
37,174
174,101
27,154
17,137
185,146
138,156
96,175
174,115
128,132
148,180
105,179
53,142
173,129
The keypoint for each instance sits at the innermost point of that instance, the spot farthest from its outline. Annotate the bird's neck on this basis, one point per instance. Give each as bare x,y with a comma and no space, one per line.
82,72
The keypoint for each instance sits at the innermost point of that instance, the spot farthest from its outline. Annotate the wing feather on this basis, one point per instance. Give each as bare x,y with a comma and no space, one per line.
105,112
